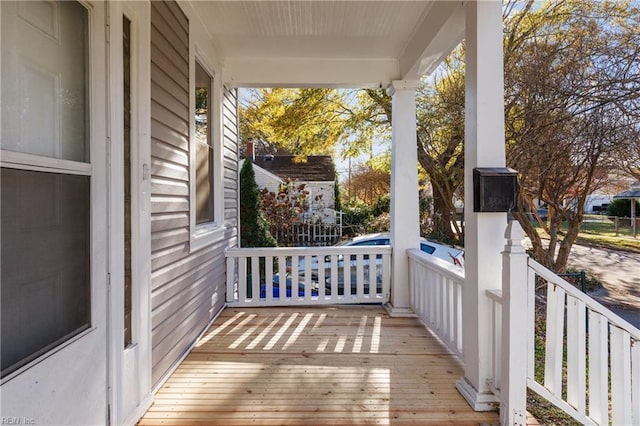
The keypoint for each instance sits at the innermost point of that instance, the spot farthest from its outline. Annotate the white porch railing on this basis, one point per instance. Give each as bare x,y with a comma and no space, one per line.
589,356
435,289
308,275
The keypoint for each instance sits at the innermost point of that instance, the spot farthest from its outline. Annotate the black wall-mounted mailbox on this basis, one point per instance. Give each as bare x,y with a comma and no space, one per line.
495,189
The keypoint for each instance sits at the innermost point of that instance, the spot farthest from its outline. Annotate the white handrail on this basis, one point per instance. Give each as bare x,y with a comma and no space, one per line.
584,329
591,303
591,363
435,289
286,276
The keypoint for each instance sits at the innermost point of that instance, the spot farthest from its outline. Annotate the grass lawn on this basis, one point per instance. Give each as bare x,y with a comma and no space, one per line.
616,243
602,233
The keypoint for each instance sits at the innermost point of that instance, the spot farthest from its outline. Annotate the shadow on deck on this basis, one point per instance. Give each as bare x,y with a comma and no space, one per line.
313,366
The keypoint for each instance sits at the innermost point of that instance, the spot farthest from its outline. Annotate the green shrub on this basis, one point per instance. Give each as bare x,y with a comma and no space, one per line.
622,208
254,229
381,223
382,205
355,219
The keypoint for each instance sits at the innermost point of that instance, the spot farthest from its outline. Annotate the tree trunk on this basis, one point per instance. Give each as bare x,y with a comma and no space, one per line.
441,214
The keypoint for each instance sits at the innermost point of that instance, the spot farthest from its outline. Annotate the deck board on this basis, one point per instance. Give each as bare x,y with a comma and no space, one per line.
314,366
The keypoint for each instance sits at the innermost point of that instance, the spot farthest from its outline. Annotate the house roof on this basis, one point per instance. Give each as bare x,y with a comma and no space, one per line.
631,193
315,43
317,168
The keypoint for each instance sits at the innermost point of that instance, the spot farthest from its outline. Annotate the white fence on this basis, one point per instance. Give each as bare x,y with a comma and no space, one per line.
435,288
319,229
584,359
308,275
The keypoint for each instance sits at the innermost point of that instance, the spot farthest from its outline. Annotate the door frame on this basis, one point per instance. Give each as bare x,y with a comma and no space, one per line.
130,368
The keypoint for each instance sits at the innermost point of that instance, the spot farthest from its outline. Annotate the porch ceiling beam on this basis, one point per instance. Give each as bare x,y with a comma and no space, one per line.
309,72
419,59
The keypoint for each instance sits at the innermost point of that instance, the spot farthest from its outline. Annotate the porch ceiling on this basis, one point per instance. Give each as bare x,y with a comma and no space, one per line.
330,43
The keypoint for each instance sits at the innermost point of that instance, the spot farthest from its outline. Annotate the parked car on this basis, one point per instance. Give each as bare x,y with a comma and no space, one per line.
543,212
448,253
287,291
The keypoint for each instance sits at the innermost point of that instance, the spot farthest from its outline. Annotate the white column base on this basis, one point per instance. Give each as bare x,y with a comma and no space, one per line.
398,312
477,401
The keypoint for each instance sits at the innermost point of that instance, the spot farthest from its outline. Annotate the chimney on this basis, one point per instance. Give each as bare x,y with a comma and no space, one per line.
249,152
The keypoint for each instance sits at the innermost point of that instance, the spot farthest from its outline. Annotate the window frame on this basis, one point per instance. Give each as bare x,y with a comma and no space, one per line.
204,234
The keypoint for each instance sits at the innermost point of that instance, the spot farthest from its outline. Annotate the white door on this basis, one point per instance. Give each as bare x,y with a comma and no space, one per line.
53,211
129,217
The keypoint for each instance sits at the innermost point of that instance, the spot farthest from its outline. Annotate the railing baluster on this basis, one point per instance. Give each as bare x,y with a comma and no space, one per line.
576,354
334,276
360,277
373,277
620,376
282,275
531,323
458,346
431,288
439,304
242,279
417,291
347,274
497,331
268,278
635,382
255,279
321,278
598,372
386,274
308,260
449,310
231,279
295,273
554,341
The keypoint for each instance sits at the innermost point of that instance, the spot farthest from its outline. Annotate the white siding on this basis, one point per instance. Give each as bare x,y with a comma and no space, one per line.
325,191
265,179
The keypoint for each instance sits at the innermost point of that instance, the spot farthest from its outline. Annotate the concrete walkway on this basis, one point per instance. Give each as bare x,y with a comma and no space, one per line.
619,273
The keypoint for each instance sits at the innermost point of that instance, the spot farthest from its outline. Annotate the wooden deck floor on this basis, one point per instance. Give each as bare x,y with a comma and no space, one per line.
313,366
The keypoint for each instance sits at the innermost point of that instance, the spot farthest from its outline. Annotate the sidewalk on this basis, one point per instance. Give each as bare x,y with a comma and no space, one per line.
619,273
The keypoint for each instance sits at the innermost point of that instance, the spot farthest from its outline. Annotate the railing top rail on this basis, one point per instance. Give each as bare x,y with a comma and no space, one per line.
592,304
495,295
441,266
306,251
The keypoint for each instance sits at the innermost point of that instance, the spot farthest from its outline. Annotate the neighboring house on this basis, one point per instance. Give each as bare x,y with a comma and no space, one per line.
266,179
317,174
615,182
119,186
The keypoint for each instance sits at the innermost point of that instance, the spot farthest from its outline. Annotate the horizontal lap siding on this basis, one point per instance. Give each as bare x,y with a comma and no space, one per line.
187,286
230,160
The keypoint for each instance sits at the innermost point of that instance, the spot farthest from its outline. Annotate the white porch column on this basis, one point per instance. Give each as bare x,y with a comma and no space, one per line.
484,147
405,221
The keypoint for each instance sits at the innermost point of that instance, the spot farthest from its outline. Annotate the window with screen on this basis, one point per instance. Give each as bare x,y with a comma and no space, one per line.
204,147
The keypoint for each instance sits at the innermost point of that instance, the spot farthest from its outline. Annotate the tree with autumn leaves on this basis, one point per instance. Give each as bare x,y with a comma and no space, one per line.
572,93
572,86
